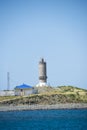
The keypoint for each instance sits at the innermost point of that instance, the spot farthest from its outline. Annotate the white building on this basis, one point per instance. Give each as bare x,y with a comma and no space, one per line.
7,93
23,90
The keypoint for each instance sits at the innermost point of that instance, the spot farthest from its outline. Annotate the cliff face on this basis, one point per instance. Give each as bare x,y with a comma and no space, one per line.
48,95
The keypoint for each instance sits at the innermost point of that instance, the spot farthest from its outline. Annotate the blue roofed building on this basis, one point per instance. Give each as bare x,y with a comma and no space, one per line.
23,90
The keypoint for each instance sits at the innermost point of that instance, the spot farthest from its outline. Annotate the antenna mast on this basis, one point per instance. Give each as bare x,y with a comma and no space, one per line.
8,80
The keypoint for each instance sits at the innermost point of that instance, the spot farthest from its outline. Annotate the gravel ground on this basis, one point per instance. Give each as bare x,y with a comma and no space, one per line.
39,107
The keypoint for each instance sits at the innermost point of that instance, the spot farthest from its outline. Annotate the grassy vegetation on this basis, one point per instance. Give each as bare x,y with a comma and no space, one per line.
8,98
70,89
2,98
49,95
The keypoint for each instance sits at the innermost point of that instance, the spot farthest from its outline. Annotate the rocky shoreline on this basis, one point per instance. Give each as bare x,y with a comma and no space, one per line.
44,107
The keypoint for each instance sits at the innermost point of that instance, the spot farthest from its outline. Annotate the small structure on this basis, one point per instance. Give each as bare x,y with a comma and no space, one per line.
23,90
7,93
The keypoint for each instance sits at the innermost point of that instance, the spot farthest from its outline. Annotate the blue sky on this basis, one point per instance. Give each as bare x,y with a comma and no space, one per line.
53,29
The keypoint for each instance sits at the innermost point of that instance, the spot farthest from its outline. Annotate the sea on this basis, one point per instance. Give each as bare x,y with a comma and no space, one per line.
73,119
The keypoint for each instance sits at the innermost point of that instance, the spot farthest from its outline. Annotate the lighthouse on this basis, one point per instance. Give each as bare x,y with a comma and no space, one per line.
42,73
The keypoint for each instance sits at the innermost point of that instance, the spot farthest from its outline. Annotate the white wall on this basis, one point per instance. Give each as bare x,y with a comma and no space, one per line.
7,93
24,92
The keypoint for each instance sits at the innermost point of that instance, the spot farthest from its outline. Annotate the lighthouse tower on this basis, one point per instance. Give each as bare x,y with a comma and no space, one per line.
42,73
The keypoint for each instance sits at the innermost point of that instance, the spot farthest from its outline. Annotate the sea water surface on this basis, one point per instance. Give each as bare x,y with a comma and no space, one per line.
44,120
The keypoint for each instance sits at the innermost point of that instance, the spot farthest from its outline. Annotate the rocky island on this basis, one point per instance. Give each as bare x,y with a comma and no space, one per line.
61,97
